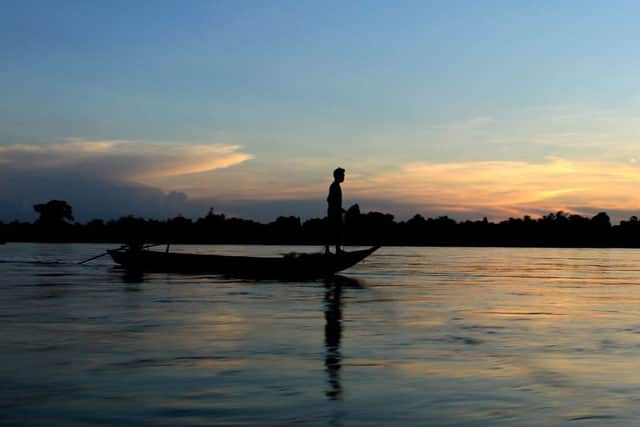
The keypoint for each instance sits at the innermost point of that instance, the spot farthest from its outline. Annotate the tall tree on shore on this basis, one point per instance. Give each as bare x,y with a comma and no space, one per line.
54,212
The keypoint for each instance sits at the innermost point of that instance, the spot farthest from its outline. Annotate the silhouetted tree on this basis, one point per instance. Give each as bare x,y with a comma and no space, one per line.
54,212
352,214
601,221
285,229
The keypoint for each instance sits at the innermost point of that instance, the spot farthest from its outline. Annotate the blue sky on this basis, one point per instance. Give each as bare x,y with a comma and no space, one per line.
291,89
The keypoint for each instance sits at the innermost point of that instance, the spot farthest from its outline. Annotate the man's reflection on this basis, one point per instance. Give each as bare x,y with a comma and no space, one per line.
332,336
333,330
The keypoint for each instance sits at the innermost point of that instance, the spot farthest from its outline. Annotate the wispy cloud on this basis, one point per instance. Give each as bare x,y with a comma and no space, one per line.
137,161
505,188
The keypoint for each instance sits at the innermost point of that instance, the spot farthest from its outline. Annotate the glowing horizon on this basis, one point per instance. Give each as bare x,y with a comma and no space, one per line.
501,189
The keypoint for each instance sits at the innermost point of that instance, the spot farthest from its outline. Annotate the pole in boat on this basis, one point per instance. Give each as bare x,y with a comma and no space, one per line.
101,255
120,248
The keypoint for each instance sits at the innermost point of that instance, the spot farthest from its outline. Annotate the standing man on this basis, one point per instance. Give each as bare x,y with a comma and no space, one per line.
335,211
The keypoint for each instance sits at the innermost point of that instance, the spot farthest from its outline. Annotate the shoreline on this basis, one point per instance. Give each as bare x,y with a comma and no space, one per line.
350,244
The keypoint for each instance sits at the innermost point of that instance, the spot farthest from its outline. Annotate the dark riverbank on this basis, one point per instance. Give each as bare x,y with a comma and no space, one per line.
553,230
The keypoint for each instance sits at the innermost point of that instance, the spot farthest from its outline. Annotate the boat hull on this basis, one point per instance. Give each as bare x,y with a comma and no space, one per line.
293,265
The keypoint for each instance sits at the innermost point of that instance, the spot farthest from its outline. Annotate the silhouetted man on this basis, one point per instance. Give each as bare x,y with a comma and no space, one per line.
335,211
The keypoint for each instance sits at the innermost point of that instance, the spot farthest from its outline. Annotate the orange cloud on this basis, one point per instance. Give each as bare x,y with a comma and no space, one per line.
191,159
507,188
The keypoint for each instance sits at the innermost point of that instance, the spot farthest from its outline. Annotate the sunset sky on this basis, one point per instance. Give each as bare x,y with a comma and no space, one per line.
459,108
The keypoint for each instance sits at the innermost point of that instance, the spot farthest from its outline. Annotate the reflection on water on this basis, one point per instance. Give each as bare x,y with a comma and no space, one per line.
332,336
413,336
333,329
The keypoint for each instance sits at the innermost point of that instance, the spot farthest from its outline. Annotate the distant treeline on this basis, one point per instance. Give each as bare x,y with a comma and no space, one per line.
555,229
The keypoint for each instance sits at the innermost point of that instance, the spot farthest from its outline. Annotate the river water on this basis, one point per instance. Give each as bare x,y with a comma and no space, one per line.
411,336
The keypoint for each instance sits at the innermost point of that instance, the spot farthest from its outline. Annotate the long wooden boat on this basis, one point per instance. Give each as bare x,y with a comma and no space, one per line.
293,265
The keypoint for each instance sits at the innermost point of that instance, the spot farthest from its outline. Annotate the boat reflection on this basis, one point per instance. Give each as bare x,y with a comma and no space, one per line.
333,331
129,277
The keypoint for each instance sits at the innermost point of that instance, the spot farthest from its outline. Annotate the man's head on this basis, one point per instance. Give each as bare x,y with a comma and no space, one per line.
338,174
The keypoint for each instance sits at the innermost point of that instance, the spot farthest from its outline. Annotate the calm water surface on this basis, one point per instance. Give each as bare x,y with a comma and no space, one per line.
412,336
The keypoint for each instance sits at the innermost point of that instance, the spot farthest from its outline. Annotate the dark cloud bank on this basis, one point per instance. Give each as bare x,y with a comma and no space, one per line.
89,196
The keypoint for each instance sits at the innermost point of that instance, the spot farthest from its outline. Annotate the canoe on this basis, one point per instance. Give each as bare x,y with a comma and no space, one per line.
293,265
